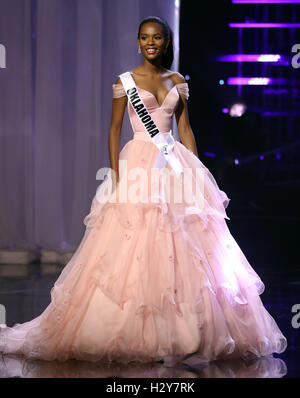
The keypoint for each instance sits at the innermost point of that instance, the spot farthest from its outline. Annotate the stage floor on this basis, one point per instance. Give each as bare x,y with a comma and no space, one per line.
25,292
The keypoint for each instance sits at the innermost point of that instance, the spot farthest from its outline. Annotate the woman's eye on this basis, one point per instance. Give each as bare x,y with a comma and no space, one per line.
157,38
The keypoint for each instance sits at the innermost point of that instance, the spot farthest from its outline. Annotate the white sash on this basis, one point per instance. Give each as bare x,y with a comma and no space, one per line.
164,146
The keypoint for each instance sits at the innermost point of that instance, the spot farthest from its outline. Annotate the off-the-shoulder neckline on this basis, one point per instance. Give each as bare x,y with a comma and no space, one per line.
130,71
177,84
149,92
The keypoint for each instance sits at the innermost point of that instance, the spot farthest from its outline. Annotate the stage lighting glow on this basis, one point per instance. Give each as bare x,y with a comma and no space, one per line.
263,25
259,81
225,110
256,81
187,77
269,58
210,154
280,113
261,157
236,161
248,80
221,82
237,110
278,156
276,91
265,1
249,58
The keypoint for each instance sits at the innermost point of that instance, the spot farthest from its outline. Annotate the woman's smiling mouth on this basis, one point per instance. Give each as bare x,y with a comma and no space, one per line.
151,50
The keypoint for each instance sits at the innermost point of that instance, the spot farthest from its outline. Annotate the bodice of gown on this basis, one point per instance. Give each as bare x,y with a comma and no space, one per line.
162,115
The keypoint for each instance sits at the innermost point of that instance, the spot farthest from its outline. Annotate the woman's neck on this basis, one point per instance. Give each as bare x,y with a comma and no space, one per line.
152,68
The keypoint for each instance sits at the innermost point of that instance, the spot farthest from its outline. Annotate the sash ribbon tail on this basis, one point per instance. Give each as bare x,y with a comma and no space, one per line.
166,154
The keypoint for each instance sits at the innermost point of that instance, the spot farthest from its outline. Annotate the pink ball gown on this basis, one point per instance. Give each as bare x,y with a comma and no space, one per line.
153,281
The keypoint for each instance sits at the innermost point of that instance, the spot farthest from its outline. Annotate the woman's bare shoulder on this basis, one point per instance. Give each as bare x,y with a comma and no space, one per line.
118,81
177,77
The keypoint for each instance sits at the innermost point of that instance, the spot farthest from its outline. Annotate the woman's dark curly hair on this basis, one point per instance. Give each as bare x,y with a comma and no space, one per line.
168,57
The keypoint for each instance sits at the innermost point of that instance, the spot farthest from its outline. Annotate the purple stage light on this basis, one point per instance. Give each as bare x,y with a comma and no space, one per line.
236,161
278,156
225,110
265,1
281,113
268,58
210,154
263,25
249,58
274,58
255,81
276,91
237,110
261,157
249,80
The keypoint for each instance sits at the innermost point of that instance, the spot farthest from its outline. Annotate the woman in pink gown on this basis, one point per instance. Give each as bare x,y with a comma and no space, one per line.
153,281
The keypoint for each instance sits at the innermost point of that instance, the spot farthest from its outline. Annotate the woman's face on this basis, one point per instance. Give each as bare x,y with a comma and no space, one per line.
152,41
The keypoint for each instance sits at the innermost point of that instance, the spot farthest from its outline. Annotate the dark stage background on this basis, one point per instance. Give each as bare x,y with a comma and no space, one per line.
264,186
264,209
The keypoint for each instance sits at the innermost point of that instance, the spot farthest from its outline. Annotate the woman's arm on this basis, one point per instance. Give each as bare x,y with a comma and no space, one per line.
184,129
117,115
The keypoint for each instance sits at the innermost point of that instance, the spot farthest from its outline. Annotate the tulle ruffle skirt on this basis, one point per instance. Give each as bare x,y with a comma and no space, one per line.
153,278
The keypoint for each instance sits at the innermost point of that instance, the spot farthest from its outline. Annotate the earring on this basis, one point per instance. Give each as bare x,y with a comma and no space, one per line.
139,50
